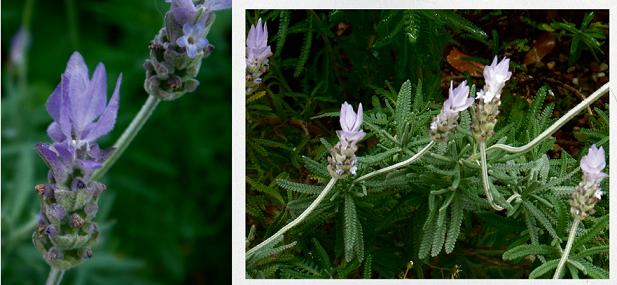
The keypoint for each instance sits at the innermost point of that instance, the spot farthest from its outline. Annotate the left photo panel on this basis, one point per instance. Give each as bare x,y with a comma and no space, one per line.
116,142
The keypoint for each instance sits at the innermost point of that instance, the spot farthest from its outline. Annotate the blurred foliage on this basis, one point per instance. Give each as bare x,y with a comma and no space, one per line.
389,227
166,217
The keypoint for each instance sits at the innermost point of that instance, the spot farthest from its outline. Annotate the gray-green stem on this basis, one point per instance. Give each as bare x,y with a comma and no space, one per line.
129,134
296,221
566,252
54,277
398,165
555,126
485,182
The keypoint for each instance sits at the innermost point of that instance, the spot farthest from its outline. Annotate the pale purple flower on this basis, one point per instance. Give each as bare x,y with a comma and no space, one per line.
350,124
257,48
79,104
458,100
495,77
184,11
193,39
592,165
19,46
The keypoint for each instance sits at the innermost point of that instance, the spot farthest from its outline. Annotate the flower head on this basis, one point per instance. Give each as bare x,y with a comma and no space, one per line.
184,11
592,165
257,48
458,99
350,124
193,39
495,77
79,104
19,45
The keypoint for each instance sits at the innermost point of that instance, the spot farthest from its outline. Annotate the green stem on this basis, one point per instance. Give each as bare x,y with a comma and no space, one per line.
296,221
398,165
555,126
485,183
566,252
54,277
129,134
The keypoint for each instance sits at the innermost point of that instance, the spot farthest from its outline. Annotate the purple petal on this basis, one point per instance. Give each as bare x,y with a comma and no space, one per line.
182,41
55,133
98,94
64,121
51,159
54,102
106,122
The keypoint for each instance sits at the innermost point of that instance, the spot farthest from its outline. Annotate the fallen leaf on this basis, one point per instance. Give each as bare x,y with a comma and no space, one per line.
460,62
542,46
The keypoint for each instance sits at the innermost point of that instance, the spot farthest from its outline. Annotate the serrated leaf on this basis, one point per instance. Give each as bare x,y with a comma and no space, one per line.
456,220
299,187
528,249
591,233
543,269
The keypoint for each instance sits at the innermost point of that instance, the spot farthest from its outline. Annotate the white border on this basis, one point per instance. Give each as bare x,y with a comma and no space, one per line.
238,120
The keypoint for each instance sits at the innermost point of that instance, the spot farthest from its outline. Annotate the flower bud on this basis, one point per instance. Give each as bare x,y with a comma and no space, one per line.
76,221
55,213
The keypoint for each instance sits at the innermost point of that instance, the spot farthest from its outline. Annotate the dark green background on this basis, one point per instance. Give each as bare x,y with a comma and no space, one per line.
165,218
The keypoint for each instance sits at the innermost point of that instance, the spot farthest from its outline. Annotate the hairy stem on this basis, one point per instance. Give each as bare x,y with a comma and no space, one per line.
296,221
129,134
398,165
54,277
555,126
566,252
485,183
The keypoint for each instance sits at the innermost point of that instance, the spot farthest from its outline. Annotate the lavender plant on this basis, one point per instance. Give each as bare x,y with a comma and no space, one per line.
433,167
66,229
69,201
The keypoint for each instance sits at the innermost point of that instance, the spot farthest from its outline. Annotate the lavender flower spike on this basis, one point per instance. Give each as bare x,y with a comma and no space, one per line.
587,193
592,165
447,120
19,46
81,114
193,39
350,124
257,48
343,155
495,76
257,53
79,104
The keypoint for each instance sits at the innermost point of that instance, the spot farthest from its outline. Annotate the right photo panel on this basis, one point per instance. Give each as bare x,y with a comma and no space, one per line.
427,144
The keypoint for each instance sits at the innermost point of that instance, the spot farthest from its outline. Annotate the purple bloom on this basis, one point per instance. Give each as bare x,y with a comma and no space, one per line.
79,104
592,165
257,48
495,76
19,45
193,39
184,11
458,100
350,124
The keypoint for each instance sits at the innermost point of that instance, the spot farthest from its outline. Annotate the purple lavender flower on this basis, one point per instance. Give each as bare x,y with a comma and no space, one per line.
81,114
447,120
79,104
350,124
592,165
458,99
495,77
193,39
19,46
184,11
257,48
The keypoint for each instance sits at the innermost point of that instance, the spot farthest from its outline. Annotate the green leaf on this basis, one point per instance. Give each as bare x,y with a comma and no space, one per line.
315,167
591,233
265,189
531,208
456,212
403,107
528,249
592,251
350,233
299,187
543,269
306,48
367,272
